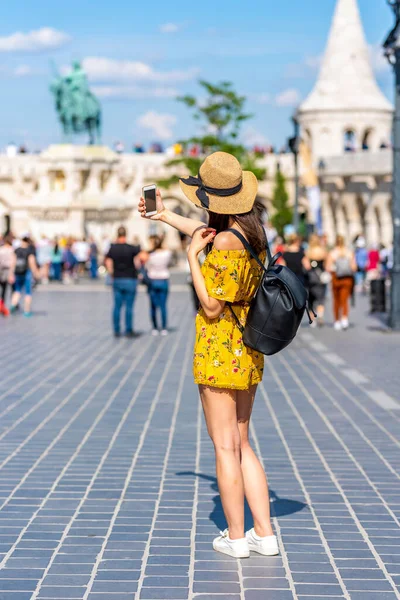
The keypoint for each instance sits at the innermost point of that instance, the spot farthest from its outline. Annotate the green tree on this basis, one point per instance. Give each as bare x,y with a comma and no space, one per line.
221,115
280,200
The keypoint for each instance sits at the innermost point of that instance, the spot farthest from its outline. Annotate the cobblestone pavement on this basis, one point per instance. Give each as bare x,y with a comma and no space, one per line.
107,485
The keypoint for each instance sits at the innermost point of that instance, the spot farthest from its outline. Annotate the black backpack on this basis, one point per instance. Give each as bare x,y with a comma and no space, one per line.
277,308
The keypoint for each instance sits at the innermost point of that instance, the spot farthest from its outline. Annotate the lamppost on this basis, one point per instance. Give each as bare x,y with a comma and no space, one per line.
392,51
294,143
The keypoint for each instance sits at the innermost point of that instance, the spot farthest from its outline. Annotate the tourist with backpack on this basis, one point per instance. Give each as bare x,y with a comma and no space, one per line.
341,263
234,328
6,261
22,273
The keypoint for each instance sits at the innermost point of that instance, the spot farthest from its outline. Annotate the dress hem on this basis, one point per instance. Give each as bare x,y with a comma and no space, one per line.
227,387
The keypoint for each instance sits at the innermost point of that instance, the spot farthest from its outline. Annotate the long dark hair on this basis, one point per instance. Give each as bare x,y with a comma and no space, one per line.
250,223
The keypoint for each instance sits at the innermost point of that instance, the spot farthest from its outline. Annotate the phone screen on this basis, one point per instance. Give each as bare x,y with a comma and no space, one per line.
150,200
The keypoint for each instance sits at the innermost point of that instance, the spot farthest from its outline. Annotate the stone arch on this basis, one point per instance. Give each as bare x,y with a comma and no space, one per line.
349,139
368,139
57,180
361,207
5,216
379,223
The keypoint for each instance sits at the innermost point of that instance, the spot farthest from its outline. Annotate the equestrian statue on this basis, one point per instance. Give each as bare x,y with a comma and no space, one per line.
77,107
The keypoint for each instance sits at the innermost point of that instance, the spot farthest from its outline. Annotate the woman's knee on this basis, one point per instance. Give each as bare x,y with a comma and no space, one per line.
227,443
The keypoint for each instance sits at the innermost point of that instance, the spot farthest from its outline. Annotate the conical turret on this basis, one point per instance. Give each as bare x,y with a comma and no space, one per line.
346,90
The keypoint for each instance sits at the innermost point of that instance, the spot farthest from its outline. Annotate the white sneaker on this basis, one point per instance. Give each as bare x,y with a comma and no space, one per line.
236,548
337,326
345,323
155,332
164,332
263,545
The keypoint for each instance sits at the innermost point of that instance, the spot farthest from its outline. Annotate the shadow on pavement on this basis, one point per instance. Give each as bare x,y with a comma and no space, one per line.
280,507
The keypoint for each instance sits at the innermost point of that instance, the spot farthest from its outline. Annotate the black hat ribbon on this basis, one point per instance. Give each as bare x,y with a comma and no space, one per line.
203,190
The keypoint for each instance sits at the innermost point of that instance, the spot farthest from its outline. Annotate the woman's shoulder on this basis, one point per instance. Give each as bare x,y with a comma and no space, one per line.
226,240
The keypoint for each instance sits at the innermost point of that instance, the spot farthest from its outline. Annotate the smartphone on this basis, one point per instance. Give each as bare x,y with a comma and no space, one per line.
149,195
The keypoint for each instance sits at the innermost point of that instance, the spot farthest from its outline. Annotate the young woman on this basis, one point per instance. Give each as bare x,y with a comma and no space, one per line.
56,261
317,254
6,262
295,258
22,273
157,263
227,371
342,264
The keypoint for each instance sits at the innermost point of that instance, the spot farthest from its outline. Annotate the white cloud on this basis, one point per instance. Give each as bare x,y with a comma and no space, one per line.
19,71
261,98
170,28
101,69
159,124
23,71
290,97
133,91
34,41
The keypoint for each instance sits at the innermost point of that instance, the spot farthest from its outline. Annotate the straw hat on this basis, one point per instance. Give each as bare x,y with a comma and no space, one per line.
221,186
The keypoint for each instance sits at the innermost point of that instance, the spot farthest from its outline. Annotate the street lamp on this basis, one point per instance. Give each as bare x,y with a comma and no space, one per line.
392,52
294,143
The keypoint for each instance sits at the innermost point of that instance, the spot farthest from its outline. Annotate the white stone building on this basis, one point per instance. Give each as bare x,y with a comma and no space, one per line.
79,191
346,121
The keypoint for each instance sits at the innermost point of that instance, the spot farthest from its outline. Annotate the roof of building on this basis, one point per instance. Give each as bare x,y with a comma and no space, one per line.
346,79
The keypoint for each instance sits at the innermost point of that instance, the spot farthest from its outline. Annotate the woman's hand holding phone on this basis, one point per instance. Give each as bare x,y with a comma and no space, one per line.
160,208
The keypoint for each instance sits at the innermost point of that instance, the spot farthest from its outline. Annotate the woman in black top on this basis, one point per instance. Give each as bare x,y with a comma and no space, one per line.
295,259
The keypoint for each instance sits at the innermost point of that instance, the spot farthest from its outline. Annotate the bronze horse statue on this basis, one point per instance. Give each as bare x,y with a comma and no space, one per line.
77,107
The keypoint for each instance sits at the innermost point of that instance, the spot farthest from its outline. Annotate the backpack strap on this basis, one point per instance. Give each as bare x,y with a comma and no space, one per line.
246,244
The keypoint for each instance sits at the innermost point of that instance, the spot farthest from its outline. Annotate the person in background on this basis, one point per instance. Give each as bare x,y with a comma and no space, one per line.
43,258
105,246
70,263
56,261
122,264
341,263
81,250
384,257
279,247
93,258
22,271
316,255
6,261
373,263
157,262
295,259
361,256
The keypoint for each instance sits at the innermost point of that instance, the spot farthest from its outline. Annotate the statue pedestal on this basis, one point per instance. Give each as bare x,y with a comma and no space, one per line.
68,152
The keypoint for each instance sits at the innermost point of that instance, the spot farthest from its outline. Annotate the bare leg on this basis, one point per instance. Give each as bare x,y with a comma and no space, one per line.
27,304
219,407
15,298
255,481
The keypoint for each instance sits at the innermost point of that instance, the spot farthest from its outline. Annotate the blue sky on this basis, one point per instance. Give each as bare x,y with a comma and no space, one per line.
141,54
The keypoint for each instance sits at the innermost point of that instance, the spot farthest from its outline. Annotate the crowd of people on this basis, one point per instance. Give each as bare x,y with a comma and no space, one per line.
342,268
24,263
320,267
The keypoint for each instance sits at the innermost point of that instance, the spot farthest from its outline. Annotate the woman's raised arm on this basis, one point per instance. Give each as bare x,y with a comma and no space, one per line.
183,224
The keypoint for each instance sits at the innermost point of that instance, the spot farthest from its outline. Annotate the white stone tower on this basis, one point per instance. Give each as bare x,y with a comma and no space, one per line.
346,107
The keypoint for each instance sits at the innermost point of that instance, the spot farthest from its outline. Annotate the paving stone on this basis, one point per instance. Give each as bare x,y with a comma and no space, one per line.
111,450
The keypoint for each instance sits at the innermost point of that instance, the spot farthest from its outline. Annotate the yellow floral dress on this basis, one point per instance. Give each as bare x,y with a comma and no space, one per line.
220,357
